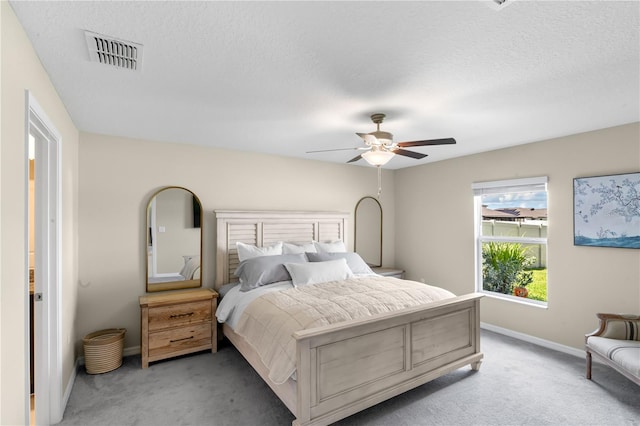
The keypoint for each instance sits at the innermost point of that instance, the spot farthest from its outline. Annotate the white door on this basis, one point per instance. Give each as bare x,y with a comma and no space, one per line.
48,367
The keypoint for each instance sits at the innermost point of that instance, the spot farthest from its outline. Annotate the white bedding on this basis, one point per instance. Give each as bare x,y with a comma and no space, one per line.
235,301
268,320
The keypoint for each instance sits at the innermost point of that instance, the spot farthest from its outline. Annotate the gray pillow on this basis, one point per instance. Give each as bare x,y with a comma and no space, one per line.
354,261
263,270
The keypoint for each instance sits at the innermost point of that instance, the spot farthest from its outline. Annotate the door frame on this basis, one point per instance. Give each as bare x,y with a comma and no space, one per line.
48,265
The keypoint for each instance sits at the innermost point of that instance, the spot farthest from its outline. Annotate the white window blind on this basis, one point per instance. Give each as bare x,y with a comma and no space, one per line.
512,185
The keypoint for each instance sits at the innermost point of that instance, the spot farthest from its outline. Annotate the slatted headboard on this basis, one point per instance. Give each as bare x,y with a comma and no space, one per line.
262,228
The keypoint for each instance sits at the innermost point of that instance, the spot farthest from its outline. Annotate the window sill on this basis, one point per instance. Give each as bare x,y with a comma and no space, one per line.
515,299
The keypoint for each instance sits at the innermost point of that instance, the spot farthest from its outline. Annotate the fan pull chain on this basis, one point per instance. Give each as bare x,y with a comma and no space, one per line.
379,181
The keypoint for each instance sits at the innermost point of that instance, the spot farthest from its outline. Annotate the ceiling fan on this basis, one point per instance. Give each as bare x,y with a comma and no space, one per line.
380,147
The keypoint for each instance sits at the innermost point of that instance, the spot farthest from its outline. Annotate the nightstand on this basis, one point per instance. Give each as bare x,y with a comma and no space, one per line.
389,272
177,323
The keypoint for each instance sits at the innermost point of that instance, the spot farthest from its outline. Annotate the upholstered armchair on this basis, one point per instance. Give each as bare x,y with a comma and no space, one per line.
616,342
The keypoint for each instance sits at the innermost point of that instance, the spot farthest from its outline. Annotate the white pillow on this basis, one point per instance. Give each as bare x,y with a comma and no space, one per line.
248,251
318,272
332,247
355,262
290,248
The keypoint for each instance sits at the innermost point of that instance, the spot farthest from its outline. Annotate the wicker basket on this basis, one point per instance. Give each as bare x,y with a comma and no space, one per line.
103,350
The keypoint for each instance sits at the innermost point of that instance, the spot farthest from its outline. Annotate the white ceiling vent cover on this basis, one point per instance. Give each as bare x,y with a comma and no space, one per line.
497,4
112,51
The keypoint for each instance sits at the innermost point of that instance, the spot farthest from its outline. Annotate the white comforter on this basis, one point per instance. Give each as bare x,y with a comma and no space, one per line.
235,301
269,320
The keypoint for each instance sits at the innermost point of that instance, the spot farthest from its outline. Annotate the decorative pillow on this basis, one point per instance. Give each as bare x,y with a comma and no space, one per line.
318,272
622,329
247,251
291,248
332,247
355,262
263,270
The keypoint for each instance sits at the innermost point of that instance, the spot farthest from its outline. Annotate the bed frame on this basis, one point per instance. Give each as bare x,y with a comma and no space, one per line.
347,367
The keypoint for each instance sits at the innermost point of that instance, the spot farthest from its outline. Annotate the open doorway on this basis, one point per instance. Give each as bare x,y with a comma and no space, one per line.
32,267
43,276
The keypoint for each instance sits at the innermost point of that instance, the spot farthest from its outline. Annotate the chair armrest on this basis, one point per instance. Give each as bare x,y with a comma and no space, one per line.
617,326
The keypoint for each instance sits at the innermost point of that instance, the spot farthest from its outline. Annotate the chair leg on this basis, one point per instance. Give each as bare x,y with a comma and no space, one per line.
588,365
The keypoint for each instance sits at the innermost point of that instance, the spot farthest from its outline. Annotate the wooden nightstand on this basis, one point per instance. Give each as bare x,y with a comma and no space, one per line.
177,323
389,272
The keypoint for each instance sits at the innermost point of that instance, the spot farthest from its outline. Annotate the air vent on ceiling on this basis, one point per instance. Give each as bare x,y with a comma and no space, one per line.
498,4
112,51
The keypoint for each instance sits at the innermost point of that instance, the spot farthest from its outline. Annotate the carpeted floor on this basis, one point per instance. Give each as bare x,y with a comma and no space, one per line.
518,384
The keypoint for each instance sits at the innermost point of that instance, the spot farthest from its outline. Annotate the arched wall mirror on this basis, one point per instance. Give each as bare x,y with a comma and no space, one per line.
368,230
174,240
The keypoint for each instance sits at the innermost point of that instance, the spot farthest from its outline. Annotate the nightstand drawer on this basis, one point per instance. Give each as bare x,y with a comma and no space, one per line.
163,317
177,340
177,323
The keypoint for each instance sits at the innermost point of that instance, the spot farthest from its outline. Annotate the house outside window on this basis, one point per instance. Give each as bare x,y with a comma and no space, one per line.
511,221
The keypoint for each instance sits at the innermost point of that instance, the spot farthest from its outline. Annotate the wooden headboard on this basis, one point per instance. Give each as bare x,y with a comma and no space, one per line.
262,228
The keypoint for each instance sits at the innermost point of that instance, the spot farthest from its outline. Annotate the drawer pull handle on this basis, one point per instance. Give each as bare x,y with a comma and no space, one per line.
176,316
179,340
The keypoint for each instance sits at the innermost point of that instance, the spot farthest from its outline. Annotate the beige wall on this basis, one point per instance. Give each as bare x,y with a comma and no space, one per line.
582,280
118,176
105,194
21,70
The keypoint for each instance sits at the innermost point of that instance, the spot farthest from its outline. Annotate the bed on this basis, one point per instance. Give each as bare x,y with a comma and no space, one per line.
345,367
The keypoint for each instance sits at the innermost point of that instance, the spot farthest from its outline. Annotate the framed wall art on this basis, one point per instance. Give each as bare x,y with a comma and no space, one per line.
606,211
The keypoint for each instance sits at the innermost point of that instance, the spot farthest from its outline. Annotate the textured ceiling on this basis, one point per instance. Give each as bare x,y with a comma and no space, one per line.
290,77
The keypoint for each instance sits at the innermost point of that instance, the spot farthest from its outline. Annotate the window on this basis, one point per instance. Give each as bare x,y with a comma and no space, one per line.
511,239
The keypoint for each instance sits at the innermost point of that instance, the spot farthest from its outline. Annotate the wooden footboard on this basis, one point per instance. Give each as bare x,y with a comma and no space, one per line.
347,367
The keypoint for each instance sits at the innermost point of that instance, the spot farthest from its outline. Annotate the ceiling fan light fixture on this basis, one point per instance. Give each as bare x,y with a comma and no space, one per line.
384,138
381,147
377,157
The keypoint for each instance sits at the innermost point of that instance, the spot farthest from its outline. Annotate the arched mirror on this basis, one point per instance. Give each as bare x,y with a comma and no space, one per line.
174,240
368,230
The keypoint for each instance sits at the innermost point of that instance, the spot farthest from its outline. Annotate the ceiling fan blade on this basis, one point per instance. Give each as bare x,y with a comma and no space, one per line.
412,154
446,141
354,159
339,149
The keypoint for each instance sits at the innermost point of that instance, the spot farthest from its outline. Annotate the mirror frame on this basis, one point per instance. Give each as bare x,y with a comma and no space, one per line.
355,227
170,285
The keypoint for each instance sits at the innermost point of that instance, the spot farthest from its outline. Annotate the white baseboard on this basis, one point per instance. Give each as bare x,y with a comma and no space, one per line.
69,387
535,340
